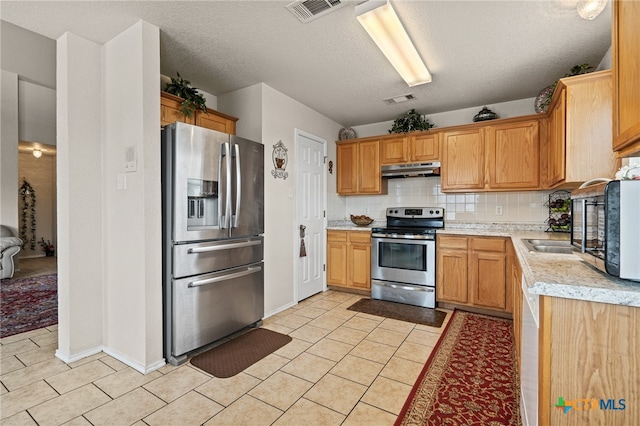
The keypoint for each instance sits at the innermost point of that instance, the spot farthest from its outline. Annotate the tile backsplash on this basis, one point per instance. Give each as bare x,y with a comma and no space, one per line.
515,207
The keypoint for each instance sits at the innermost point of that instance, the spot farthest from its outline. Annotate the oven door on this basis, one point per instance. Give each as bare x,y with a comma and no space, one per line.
403,260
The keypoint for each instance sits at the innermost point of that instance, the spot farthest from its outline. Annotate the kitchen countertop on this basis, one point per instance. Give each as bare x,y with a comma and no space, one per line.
546,274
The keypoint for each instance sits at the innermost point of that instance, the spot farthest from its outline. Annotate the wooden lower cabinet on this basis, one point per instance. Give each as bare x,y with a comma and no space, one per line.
472,271
589,354
514,281
349,259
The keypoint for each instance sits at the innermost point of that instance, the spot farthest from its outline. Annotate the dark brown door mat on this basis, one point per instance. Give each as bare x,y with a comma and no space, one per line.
400,311
234,356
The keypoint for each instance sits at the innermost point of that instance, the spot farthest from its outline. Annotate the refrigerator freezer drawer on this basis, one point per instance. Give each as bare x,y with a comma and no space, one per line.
209,307
200,258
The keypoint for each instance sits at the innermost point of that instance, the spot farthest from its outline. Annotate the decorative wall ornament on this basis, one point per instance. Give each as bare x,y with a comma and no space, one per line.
280,160
330,166
28,215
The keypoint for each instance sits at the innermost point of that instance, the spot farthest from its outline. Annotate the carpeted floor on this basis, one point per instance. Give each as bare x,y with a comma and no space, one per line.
470,377
28,303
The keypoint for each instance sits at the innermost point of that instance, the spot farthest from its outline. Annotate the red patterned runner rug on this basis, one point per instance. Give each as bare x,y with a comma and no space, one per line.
470,378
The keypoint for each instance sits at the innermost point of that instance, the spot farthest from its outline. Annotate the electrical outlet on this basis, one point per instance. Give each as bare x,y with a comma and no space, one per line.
498,210
366,211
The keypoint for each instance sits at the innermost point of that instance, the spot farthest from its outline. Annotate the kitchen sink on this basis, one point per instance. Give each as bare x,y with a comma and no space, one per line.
548,246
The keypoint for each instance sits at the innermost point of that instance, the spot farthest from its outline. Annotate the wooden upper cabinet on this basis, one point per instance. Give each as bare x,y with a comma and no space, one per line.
170,110
555,145
170,113
579,134
370,174
358,167
463,154
424,148
347,168
513,154
394,150
215,120
410,148
626,77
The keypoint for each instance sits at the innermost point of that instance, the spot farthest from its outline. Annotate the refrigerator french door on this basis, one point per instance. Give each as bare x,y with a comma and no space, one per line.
213,219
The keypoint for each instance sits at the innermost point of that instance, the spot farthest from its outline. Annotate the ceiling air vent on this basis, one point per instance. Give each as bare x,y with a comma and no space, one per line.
399,99
309,10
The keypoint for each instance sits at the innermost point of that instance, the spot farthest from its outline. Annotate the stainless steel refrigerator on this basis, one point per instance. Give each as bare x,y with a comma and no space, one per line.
213,225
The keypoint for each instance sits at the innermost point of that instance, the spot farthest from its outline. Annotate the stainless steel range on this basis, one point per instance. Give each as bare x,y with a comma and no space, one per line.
403,256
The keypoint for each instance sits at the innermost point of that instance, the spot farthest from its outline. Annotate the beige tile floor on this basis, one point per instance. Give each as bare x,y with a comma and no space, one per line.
342,368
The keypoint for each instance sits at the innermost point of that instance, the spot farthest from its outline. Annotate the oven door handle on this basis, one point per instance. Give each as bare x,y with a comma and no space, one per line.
414,287
419,239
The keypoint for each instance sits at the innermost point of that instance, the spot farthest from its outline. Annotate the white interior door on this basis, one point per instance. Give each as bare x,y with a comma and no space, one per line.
311,207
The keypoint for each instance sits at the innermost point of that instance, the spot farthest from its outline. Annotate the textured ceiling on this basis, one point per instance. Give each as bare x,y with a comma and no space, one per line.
479,52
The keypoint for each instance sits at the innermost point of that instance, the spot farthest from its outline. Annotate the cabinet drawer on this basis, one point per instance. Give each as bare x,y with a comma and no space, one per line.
360,237
337,236
489,244
452,242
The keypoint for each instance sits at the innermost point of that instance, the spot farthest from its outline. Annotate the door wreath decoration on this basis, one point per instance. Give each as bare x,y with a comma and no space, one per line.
28,215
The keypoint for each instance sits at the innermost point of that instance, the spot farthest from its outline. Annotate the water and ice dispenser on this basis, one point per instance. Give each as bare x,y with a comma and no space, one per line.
202,204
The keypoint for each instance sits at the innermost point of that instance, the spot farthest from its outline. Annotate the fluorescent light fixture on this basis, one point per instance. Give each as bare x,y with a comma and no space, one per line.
37,152
381,22
590,9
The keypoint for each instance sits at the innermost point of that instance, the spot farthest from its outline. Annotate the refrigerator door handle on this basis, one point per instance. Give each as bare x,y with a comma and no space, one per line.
196,250
236,216
223,212
249,271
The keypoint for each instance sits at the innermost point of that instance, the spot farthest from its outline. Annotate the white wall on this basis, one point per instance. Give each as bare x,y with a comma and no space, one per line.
281,116
132,216
9,150
36,113
27,59
28,54
246,104
110,240
509,109
80,204
269,116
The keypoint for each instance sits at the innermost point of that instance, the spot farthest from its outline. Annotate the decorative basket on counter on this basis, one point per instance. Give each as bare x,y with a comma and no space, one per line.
559,212
361,220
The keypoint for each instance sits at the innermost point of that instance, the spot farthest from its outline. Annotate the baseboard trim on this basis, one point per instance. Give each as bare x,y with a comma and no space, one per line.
77,357
144,369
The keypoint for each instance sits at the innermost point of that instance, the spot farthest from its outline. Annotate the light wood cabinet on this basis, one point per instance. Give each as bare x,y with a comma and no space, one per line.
588,351
452,276
625,40
513,155
463,159
170,113
410,148
472,271
514,282
349,259
394,150
424,147
494,157
579,146
358,167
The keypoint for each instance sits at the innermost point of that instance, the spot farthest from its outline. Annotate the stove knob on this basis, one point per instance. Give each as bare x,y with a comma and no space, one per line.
431,211
437,211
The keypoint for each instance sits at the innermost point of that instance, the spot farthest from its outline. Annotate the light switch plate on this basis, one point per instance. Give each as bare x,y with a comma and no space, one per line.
122,181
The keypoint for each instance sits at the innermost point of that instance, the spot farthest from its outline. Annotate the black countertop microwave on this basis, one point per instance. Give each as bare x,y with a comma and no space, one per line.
605,226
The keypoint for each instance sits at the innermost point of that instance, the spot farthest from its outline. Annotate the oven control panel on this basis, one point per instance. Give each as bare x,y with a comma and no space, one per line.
415,212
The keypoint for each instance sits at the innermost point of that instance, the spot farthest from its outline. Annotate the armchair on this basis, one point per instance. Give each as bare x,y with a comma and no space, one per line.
9,247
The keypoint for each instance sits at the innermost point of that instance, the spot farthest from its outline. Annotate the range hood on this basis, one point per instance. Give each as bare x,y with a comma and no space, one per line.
411,170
